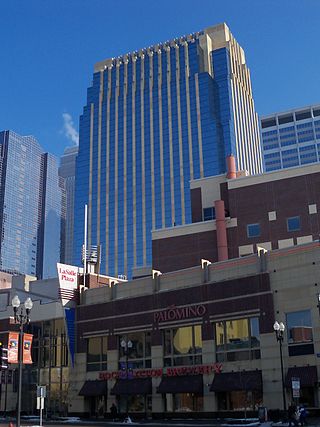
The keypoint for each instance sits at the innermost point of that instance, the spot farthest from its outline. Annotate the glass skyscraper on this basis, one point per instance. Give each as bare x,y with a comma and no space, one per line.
30,207
154,120
291,138
67,171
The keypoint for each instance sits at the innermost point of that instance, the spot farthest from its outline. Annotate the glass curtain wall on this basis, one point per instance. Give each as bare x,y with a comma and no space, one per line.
50,365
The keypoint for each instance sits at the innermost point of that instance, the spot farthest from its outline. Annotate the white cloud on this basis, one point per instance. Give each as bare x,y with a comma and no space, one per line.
69,130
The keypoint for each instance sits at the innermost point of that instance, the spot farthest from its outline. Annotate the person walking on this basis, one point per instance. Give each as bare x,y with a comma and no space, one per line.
303,415
293,416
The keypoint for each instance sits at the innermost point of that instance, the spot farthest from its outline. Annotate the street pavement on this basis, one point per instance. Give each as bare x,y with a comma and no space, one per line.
314,422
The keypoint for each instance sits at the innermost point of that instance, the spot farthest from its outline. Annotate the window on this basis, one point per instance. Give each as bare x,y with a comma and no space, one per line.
253,230
293,223
237,340
268,123
285,119
303,115
208,214
182,346
139,354
299,330
97,354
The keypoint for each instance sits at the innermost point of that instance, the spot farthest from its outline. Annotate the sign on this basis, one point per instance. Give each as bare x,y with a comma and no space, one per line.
68,275
40,404
68,282
295,383
27,343
178,313
13,342
159,372
41,391
295,387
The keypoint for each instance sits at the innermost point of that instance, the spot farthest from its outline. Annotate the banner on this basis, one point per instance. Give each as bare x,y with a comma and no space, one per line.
13,347
68,283
27,342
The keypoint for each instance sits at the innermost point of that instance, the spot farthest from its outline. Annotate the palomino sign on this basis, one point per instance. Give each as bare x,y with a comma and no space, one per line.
178,313
159,372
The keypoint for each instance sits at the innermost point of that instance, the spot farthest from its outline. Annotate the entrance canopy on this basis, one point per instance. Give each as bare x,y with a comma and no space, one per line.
236,381
307,374
133,386
93,388
181,384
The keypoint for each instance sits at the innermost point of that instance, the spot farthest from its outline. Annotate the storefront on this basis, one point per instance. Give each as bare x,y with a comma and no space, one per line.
133,395
307,378
238,390
182,394
95,394
199,346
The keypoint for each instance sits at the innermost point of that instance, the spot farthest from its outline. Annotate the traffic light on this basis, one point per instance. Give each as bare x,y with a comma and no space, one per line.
3,356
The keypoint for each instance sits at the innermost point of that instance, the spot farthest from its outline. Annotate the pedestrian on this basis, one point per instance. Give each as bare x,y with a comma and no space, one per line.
293,416
114,411
303,415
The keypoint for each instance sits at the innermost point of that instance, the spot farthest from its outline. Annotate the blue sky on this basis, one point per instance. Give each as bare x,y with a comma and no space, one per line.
49,47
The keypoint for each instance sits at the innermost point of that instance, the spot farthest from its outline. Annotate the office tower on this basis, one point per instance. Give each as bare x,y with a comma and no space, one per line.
154,120
67,171
291,138
30,207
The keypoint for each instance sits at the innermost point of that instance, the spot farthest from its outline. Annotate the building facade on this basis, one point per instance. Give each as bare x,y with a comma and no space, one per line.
67,171
240,216
291,138
154,120
50,350
201,340
30,207
198,341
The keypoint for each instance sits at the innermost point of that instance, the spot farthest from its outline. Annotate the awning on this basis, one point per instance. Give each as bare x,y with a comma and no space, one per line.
235,381
133,386
94,388
181,384
307,374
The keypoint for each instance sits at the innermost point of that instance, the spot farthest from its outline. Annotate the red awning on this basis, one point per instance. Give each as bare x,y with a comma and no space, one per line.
235,381
307,374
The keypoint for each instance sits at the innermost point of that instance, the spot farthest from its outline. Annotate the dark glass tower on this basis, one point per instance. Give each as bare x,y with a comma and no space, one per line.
67,171
154,120
30,207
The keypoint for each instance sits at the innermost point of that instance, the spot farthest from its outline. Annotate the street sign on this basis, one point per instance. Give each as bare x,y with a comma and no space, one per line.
41,394
295,387
40,403
41,391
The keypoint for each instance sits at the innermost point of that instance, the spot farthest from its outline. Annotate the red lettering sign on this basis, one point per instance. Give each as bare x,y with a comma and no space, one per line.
170,372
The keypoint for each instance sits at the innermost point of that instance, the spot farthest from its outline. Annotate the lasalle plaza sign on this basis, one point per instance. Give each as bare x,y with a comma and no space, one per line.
159,372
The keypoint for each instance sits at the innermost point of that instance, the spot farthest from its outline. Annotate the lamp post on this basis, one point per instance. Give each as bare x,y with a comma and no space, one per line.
21,318
126,346
279,330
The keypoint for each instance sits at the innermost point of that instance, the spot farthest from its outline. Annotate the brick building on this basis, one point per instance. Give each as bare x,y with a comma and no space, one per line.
271,211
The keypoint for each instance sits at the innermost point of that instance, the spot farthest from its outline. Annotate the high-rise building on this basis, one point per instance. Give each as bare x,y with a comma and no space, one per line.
155,119
67,171
30,207
291,138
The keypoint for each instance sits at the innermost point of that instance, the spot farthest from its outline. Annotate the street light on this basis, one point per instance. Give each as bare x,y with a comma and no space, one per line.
21,318
279,330
126,346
